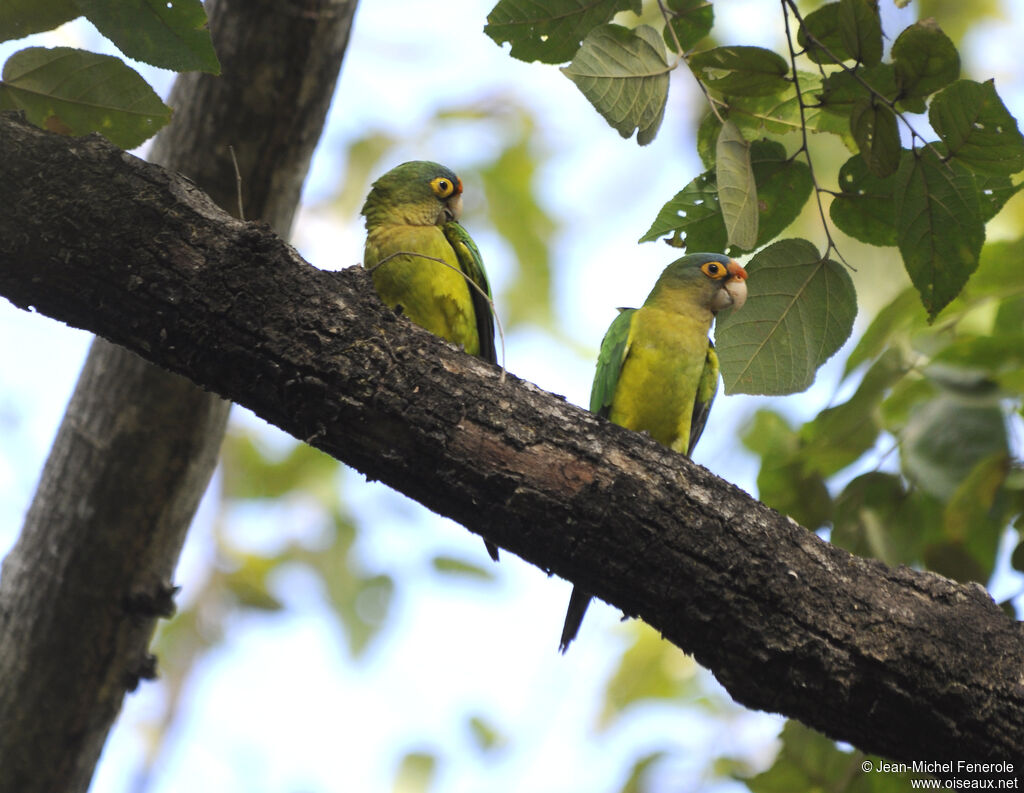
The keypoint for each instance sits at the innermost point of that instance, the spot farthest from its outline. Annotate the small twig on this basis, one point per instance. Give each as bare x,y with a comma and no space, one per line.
681,53
472,284
238,183
804,147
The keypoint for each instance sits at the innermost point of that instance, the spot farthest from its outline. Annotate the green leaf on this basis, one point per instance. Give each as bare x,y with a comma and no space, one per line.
171,34
513,209
839,435
820,37
624,74
637,781
486,736
976,127
416,773
972,520
866,207
689,21
872,516
925,60
741,71
693,215
893,318
809,761
861,30
877,133
75,92
737,190
249,472
939,227
651,669
799,312
840,91
781,113
449,565
707,137
20,18
551,31
947,437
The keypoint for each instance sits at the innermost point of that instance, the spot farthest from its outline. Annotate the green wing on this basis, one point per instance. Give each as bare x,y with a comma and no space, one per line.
472,264
609,362
706,389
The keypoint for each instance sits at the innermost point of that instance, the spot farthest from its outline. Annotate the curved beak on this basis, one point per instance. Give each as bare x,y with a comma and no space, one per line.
736,286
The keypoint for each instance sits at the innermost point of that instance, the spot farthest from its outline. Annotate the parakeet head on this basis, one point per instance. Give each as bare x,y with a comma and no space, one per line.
719,282
417,193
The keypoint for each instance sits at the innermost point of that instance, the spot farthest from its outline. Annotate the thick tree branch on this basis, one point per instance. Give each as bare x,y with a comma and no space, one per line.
903,663
81,591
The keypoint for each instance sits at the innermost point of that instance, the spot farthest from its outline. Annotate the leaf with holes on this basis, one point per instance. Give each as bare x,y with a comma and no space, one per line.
976,127
737,190
820,37
624,74
75,92
799,311
783,186
550,32
939,226
877,133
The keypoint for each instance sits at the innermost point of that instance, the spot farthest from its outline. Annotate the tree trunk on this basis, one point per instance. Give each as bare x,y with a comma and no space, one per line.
903,663
82,589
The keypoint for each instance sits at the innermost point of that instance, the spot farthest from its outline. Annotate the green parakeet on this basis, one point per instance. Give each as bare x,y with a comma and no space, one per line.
657,371
412,226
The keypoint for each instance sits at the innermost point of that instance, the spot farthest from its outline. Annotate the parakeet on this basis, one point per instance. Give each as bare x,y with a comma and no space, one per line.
412,221
657,371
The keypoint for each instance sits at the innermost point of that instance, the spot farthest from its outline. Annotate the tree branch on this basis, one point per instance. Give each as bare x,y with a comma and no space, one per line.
903,663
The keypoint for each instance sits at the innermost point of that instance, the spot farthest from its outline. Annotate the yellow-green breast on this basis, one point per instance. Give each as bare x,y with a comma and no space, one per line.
431,294
659,378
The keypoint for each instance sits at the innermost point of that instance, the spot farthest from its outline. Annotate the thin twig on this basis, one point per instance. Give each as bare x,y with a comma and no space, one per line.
238,183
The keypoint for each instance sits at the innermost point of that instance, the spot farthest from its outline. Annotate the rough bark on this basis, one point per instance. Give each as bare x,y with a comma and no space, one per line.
903,663
83,587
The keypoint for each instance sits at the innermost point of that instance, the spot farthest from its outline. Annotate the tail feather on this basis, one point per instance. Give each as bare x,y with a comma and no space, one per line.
492,549
578,602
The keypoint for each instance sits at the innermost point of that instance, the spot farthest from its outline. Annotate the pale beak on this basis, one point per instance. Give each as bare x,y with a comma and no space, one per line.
453,209
736,286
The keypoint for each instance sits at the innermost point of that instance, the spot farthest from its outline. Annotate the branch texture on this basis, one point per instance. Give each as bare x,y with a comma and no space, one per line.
903,663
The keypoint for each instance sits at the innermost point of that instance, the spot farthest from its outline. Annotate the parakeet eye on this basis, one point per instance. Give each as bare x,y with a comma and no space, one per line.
442,186
713,269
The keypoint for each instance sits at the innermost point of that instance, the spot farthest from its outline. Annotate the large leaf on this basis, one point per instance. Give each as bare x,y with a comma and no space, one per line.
741,71
75,92
976,127
946,438
737,190
624,74
551,31
20,18
925,60
820,36
939,226
693,215
799,311
861,30
688,22
171,35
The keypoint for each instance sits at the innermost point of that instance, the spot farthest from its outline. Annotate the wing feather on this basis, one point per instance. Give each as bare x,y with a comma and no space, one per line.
472,264
614,349
706,388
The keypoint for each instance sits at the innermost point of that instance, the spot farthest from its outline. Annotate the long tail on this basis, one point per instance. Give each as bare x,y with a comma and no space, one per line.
578,602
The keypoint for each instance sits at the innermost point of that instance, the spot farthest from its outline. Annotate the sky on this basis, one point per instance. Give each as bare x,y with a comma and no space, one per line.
280,705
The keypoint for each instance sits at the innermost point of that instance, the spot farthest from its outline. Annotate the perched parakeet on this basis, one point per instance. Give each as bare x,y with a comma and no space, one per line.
657,371
412,226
